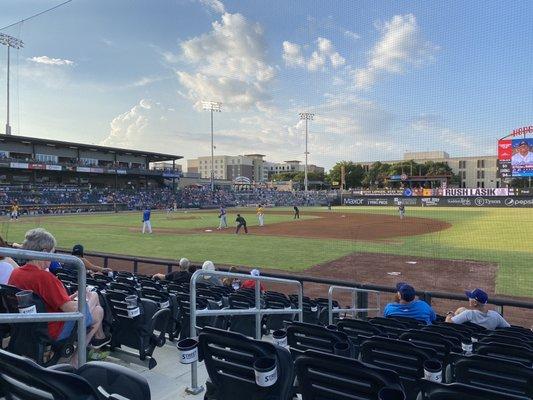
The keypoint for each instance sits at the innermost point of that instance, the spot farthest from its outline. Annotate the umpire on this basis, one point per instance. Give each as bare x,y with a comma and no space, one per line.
241,222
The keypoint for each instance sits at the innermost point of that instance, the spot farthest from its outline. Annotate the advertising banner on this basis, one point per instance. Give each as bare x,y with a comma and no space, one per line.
37,166
54,168
19,165
121,172
83,169
505,149
427,192
97,170
479,201
461,192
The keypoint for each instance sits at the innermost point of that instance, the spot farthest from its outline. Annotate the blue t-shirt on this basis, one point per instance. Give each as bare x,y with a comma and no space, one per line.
146,215
417,309
222,211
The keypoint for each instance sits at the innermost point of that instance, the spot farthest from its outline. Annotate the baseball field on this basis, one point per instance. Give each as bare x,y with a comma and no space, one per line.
435,248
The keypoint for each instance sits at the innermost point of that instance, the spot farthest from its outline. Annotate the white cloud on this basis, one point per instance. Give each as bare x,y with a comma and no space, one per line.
146,80
325,51
50,61
351,35
230,64
400,46
215,5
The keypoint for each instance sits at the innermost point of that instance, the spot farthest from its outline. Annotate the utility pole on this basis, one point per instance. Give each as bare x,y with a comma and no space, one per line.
212,106
9,41
307,116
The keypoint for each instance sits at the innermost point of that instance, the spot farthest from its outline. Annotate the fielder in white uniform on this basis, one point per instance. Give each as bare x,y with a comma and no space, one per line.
146,221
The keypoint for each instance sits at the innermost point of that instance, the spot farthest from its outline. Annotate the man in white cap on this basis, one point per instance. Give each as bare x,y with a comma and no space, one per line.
209,279
250,283
181,276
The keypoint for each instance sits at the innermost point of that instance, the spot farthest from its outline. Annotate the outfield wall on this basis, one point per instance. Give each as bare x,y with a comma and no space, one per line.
479,201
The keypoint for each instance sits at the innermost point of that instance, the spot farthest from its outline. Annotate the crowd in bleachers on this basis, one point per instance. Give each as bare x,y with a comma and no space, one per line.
408,350
162,198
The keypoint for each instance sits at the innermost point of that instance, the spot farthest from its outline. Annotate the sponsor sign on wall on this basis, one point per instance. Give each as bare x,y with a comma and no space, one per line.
465,192
479,201
54,168
37,166
19,165
83,169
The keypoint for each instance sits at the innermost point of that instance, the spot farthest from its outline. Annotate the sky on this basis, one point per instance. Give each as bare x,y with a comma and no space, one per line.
381,77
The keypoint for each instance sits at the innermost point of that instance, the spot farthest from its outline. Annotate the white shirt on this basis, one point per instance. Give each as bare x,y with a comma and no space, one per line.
5,272
519,159
489,320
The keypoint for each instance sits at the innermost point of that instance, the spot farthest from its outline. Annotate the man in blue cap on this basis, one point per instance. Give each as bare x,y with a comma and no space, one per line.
408,306
476,312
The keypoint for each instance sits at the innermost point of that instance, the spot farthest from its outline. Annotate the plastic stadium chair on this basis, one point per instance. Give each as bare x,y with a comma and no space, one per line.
22,379
302,336
32,339
165,300
408,322
330,377
432,340
491,373
355,328
275,322
521,354
137,332
229,358
406,359
453,391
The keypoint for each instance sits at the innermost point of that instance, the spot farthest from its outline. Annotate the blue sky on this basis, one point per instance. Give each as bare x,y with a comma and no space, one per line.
382,77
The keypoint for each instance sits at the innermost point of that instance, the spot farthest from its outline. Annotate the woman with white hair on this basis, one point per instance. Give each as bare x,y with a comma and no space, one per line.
209,279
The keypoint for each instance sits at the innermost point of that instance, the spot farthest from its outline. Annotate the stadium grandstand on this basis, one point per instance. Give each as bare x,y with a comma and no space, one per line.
400,270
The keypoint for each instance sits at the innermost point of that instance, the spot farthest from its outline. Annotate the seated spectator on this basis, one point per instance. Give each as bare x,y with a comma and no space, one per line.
35,277
181,276
77,251
250,283
7,265
476,312
408,306
209,279
232,282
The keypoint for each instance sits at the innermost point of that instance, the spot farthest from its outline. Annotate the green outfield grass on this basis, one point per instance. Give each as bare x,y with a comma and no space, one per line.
503,236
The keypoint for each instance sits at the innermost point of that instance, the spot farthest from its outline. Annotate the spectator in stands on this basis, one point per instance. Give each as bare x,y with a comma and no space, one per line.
8,260
250,283
77,251
476,312
232,282
408,306
181,276
34,276
209,279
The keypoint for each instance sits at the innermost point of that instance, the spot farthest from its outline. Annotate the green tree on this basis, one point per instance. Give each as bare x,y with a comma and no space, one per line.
354,174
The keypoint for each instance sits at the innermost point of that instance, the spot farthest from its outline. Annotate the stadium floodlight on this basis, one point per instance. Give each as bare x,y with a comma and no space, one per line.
213,106
9,42
307,116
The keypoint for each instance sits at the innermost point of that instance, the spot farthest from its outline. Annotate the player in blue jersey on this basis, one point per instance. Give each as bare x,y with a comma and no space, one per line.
146,220
223,218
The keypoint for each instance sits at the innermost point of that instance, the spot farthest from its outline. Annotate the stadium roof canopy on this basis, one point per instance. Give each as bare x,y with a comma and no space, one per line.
150,156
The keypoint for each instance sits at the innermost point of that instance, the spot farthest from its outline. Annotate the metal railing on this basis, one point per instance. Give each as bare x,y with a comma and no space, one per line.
356,301
79,317
427,296
257,310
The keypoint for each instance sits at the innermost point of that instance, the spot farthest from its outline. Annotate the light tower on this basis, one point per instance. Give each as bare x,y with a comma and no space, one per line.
9,41
213,106
307,116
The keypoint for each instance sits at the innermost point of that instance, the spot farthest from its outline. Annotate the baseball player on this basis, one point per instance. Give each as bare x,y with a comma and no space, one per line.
223,219
241,222
146,220
401,209
296,212
15,210
261,215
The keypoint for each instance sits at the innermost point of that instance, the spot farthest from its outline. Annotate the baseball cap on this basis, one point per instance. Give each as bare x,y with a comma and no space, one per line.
77,250
523,142
54,266
478,295
254,272
407,292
